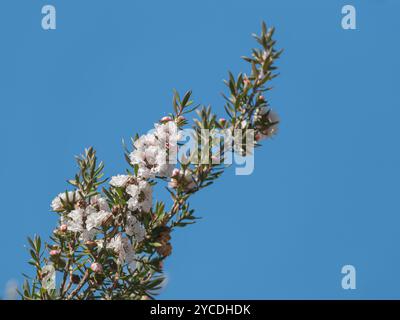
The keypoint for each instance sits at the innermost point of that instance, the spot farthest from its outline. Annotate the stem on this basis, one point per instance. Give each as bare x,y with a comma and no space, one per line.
80,285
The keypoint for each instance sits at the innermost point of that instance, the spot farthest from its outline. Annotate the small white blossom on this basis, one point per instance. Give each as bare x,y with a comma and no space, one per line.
186,179
153,161
49,277
120,180
141,196
86,221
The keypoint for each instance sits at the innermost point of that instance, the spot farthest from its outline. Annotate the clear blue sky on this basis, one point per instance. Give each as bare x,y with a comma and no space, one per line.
324,193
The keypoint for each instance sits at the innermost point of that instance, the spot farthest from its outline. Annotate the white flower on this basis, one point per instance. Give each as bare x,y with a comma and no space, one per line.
141,196
145,141
124,249
165,119
173,183
57,205
134,228
155,152
97,219
120,180
168,134
86,221
99,202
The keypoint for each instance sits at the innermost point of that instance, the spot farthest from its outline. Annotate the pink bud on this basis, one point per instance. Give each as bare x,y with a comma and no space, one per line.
63,228
222,121
55,252
261,98
181,118
96,267
165,119
175,172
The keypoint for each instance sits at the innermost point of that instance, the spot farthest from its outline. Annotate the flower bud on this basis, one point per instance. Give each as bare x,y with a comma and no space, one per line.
165,119
107,221
222,121
180,119
55,252
63,228
261,98
96,267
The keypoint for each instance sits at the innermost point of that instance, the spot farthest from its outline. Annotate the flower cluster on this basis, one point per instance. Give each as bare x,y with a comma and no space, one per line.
112,238
155,153
266,122
87,218
90,218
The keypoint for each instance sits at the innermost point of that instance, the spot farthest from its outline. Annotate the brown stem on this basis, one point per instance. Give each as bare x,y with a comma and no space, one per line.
80,285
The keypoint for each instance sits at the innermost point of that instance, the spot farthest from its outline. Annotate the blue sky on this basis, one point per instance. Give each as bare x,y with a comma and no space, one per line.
324,192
